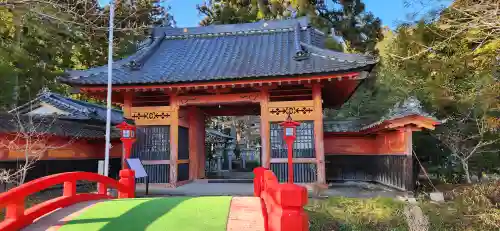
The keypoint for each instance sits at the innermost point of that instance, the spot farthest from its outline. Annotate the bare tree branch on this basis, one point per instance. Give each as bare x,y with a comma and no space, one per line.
32,139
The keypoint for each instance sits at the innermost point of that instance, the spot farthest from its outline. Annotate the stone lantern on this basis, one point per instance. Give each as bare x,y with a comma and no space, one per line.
230,153
219,150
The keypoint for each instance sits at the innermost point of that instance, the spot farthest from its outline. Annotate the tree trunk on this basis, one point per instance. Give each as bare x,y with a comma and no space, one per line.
465,166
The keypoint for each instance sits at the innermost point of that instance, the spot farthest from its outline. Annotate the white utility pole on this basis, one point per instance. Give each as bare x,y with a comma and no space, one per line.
110,74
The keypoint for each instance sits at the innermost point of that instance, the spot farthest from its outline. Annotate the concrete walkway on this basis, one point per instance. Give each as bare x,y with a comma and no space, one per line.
245,214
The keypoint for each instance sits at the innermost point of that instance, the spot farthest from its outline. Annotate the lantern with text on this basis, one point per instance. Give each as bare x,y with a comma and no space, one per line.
289,135
127,132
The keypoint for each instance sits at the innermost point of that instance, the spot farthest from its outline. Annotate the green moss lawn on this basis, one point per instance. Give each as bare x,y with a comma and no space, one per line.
167,213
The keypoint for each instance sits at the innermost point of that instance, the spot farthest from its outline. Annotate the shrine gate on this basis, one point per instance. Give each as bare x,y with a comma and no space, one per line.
271,69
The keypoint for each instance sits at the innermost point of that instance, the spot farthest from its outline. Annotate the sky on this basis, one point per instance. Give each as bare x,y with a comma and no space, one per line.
389,11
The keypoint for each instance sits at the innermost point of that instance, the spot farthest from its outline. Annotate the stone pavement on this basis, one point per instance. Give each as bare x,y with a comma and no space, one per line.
245,214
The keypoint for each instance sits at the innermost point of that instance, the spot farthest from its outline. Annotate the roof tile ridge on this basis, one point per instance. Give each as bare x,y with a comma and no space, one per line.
300,52
66,104
331,57
25,104
89,104
234,33
137,61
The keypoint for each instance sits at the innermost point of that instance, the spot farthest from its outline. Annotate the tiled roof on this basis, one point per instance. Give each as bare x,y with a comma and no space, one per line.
37,125
409,107
226,52
217,133
77,109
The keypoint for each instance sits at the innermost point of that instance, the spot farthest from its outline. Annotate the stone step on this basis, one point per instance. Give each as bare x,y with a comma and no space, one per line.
230,175
229,181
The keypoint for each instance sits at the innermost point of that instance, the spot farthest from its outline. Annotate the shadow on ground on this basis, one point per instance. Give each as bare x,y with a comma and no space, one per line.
138,217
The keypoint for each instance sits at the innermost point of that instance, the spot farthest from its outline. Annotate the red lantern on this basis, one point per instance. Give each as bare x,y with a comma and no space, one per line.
127,133
289,135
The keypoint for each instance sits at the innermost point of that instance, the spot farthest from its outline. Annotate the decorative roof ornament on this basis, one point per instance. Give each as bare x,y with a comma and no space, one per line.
300,52
44,90
134,65
137,60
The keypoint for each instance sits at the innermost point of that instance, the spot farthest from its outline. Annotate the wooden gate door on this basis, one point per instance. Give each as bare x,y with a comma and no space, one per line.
153,148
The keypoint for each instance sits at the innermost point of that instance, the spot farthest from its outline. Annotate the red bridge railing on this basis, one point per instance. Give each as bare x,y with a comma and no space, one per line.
17,217
283,204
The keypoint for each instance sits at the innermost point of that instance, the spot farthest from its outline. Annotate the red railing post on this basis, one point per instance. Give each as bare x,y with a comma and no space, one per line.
69,188
258,181
102,188
15,209
289,214
128,180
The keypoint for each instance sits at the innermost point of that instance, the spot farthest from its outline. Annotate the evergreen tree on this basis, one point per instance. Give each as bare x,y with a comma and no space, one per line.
40,40
360,30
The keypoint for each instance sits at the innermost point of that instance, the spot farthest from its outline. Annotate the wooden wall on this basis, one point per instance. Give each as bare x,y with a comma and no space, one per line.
392,142
61,149
385,158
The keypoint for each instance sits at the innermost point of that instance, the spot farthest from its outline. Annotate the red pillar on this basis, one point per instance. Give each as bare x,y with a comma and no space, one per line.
174,139
265,129
319,145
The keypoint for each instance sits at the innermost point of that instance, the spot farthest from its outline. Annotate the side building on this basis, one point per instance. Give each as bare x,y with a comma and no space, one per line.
60,133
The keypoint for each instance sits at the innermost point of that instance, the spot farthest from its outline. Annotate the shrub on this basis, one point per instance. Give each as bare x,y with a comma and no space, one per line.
472,207
340,213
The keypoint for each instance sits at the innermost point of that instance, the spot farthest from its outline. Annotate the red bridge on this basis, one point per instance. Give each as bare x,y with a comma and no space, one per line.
275,207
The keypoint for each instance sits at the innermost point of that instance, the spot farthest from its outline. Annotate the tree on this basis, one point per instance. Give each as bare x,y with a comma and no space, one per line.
359,29
243,11
467,137
41,39
451,70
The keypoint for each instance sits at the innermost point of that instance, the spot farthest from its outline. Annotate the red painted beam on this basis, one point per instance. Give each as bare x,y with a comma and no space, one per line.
237,83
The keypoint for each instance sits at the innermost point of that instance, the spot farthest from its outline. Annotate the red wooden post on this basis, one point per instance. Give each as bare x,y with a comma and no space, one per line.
288,213
128,180
289,135
290,160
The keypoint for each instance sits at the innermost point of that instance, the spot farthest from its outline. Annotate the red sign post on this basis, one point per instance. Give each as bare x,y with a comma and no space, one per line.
289,135
127,132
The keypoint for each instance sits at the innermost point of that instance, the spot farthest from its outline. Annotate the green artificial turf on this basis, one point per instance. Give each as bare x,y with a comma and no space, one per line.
166,213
